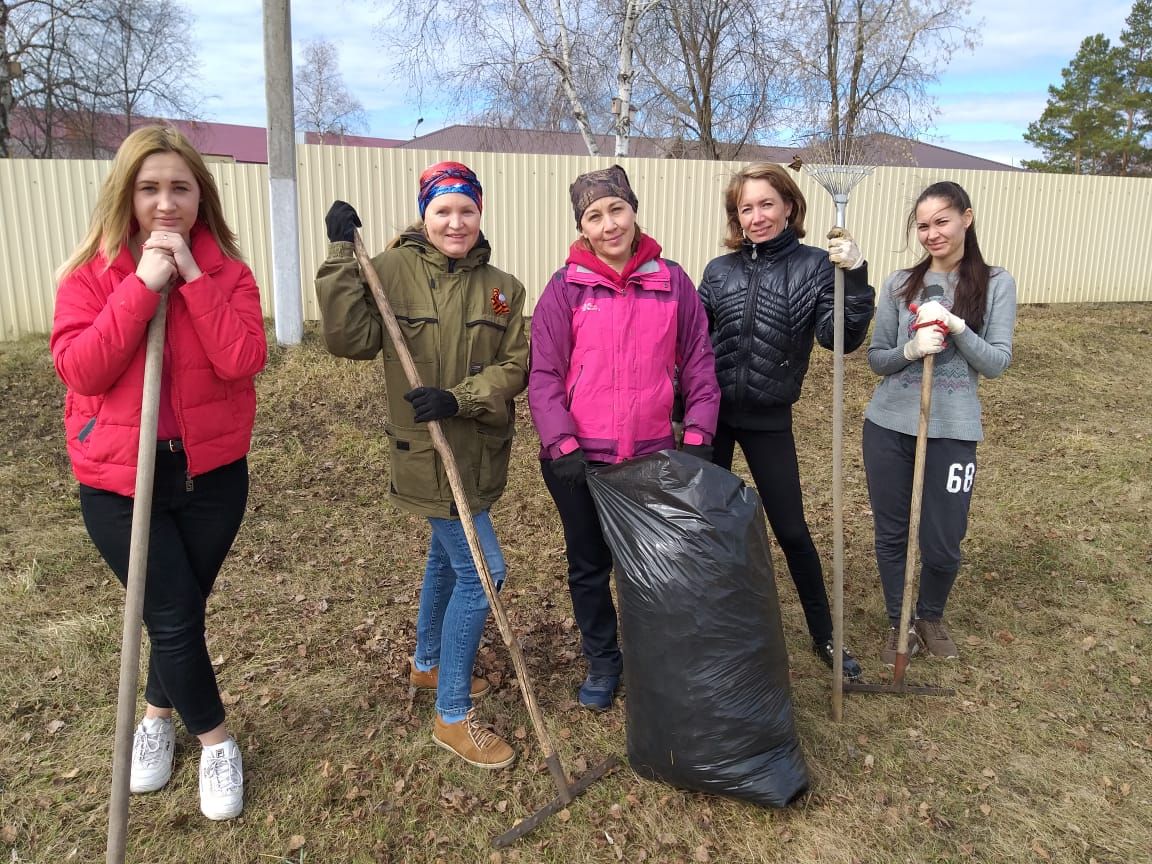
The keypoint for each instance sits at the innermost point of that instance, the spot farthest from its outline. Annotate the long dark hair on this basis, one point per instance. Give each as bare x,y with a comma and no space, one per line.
973,272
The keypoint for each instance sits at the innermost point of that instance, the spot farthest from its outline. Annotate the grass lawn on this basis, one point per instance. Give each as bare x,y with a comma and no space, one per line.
1043,755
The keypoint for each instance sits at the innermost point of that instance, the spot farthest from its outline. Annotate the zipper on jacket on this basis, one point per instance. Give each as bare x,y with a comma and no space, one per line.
572,389
744,346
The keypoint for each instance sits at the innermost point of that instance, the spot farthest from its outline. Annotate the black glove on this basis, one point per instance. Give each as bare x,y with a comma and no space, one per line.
700,451
341,222
571,469
432,403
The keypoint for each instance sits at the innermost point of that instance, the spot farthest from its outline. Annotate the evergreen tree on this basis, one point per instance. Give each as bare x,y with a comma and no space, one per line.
1099,120
1136,100
1081,130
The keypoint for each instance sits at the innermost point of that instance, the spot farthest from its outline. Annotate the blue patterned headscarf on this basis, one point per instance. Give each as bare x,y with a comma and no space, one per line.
445,177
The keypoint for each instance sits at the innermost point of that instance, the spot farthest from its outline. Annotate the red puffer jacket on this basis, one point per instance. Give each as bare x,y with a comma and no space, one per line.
214,345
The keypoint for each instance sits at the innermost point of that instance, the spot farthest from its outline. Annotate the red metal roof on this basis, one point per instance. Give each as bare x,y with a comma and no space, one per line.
880,149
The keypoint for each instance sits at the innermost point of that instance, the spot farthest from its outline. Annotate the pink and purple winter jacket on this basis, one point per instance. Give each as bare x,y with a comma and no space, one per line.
606,358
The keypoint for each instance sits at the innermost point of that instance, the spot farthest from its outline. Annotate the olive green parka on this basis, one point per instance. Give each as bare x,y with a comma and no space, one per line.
463,321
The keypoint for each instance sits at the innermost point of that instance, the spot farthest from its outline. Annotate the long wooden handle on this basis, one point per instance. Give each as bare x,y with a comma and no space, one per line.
461,499
912,556
137,577
838,497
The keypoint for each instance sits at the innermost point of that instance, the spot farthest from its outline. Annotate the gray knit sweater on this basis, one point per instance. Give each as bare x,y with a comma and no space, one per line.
955,405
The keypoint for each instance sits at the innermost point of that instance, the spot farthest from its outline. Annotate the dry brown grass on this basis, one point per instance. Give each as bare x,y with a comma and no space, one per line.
1042,756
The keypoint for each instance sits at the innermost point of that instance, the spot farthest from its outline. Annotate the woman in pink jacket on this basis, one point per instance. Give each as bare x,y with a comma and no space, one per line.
158,225
613,331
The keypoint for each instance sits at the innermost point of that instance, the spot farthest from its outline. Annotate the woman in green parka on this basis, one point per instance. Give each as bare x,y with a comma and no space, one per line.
463,322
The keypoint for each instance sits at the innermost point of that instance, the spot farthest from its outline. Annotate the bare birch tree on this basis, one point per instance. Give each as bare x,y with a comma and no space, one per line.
512,54
866,64
323,103
84,69
712,74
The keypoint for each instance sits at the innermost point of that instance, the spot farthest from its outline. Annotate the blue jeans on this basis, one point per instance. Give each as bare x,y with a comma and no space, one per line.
453,608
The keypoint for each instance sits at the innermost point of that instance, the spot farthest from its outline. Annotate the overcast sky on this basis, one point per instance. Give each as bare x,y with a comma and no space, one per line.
986,97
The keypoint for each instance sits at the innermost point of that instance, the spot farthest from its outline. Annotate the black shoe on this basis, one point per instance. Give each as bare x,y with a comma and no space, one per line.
851,669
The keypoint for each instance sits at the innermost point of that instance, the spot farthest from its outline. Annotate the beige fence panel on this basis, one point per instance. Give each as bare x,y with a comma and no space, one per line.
1066,239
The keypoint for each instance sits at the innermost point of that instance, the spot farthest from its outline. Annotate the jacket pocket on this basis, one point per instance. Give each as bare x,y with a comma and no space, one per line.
420,331
492,471
415,465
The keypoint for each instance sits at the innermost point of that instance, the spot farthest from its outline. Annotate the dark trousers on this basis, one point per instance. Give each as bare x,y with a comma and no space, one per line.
949,472
771,457
589,574
191,533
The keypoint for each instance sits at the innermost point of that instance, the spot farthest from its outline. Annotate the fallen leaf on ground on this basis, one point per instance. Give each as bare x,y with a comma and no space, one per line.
296,841
55,726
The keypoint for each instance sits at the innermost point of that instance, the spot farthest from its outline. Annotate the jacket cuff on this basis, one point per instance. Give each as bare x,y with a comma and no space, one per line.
695,435
470,406
856,281
566,446
342,249
141,302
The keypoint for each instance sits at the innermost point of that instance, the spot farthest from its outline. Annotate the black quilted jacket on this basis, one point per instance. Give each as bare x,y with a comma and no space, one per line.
764,305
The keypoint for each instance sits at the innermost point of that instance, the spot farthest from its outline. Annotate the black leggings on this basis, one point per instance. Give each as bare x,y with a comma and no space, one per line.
771,457
191,533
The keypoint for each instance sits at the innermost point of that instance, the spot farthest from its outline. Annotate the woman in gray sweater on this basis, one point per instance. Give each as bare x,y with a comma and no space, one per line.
968,324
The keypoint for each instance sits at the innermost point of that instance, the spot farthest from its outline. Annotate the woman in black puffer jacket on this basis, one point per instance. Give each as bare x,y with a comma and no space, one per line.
765,302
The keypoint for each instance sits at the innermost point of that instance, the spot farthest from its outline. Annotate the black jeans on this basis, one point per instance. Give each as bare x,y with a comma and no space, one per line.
771,457
191,533
589,574
949,474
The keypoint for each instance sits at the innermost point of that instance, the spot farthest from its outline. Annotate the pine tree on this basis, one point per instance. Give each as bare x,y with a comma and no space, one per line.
1136,100
1081,130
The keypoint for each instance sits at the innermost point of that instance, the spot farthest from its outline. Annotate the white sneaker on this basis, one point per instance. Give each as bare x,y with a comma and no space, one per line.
153,744
221,781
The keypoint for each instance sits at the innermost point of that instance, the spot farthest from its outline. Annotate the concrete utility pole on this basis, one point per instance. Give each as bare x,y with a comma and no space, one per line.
286,298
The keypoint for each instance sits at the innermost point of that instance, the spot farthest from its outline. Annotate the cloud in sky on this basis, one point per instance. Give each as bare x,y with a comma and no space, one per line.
986,97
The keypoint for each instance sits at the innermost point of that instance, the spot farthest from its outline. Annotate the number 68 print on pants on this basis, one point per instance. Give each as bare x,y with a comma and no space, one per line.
949,476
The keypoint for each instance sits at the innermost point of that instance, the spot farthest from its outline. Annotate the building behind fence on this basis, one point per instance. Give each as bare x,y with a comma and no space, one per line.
1067,239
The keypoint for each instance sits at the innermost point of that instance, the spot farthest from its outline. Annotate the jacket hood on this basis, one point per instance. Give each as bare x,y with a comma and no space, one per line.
477,256
647,249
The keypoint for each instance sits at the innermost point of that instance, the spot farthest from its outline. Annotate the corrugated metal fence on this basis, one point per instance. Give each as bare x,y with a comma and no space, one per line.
1066,239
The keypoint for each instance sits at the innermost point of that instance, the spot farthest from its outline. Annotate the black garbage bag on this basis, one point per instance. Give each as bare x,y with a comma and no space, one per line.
706,670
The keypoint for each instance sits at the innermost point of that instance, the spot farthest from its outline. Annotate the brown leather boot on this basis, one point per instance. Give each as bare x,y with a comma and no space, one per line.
429,680
476,744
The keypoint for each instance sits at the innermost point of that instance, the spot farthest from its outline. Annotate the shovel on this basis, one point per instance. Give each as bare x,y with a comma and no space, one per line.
134,594
566,791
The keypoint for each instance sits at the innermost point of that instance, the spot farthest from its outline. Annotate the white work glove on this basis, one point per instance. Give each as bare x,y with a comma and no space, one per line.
843,251
933,310
926,340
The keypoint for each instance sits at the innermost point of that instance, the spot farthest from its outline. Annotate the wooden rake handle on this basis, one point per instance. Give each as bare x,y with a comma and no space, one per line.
461,499
912,557
137,577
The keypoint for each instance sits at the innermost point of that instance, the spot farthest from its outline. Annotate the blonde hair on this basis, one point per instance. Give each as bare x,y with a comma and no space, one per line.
113,215
779,180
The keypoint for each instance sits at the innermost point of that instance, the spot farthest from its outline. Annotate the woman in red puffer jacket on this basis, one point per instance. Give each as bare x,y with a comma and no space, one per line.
158,225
